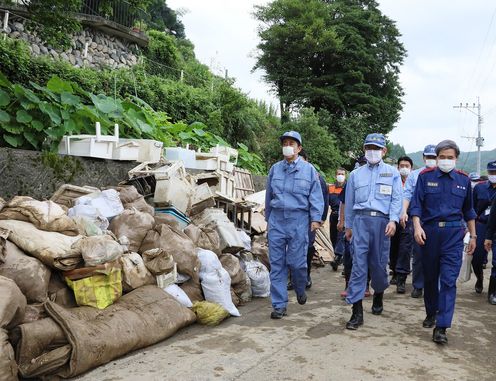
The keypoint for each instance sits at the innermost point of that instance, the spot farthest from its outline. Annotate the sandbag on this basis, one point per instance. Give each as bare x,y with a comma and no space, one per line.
4,233
8,366
34,312
90,213
51,248
176,243
259,277
260,249
107,202
134,272
134,225
204,237
130,198
245,238
215,281
178,294
158,261
59,292
45,215
240,281
99,249
167,219
12,304
140,318
2,203
36,347
86,227
30,275
193,289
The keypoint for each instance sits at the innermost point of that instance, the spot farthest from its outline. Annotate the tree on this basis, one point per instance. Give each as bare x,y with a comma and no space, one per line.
165,18
341,56
395,151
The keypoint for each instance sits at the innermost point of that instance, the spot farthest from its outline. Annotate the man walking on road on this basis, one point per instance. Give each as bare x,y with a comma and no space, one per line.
293,206
373,207
442,200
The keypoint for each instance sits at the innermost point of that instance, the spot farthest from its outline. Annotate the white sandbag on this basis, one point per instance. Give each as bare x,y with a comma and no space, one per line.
259,277
99,249
175,291
107,202
466,269
91,213
215,281
245,238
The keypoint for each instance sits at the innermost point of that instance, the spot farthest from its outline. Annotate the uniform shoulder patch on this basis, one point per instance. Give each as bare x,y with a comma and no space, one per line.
461,172
428,170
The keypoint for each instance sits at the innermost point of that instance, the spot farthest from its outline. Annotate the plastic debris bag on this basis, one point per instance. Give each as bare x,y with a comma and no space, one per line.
178,294
259,277
99,249
466,269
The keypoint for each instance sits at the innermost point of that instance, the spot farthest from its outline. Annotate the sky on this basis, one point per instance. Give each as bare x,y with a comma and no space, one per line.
451,47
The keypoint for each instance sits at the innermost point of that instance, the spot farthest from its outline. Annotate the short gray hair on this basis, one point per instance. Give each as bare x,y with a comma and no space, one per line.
448,144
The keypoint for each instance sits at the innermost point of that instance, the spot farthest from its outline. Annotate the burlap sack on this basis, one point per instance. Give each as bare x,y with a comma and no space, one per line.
167,219
134,225
130,199
194,290
204,237
45,215
176,243
99,249
260,249
240,281
8,366
134,272
141,318
30,275
51,248
12,304
34,312
34,344
59,292
157,261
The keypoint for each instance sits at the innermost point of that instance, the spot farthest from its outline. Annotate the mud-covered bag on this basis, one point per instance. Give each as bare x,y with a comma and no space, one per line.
134,225
99,249
158,261
134,272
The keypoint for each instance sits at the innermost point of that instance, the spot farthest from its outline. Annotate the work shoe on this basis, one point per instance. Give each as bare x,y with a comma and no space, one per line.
278,313
394,280
491,291
439,336
356,319
479,284
417,293
309,283
377,306
290,286
302,299
400,285
429,321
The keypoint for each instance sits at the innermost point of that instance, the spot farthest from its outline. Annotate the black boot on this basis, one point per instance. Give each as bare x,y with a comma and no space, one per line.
479,285
439,335
394,279
400,285
429,321
491,292
377,303
356,319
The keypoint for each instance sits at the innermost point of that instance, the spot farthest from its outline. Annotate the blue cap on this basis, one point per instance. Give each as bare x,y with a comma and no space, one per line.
491,166
291,135
430,150
474,176
375,139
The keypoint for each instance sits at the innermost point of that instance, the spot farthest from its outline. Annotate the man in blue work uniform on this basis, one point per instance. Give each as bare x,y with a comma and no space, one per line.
490,244
442,200
484,193
372,209
429,158
293,204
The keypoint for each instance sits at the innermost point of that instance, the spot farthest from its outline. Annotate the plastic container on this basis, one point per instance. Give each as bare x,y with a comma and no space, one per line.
187,156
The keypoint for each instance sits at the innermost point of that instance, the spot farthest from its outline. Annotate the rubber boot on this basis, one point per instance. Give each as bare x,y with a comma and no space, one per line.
377,305
479,285
401,284
491,292
356,319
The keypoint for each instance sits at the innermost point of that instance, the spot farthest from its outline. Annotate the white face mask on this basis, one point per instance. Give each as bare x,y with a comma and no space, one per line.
492,179
288,151
340,178
446,165
405,172
373,156
430,163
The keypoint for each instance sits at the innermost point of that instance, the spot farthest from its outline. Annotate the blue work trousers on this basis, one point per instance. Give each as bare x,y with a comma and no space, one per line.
480,254
441,262
493,269
288,246
417,271
370,254
401,249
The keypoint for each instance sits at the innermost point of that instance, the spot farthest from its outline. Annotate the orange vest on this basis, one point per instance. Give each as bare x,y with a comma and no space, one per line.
333,189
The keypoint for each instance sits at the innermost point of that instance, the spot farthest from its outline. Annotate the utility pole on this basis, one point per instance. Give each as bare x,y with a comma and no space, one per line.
479,140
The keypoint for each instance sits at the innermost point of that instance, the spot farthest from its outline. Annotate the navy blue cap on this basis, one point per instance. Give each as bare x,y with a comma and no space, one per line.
291,135
375,139
474,176
491,166
430,150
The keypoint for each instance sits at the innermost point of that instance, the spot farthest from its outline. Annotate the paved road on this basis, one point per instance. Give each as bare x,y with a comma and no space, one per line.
312,344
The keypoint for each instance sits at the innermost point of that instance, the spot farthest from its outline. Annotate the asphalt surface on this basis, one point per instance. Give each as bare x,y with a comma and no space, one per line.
311,343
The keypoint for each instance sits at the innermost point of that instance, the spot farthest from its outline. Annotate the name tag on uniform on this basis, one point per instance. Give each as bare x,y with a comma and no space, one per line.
487,212
431,184
386,189
385,175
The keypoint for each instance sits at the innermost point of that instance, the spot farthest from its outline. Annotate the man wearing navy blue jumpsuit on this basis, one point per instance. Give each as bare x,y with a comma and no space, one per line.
372,209
442,200
484,193
490,244
293,204
429,157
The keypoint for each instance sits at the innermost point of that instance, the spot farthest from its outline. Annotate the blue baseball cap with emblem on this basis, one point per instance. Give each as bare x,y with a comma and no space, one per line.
474,176
491,166
375,139
291,135
430,150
